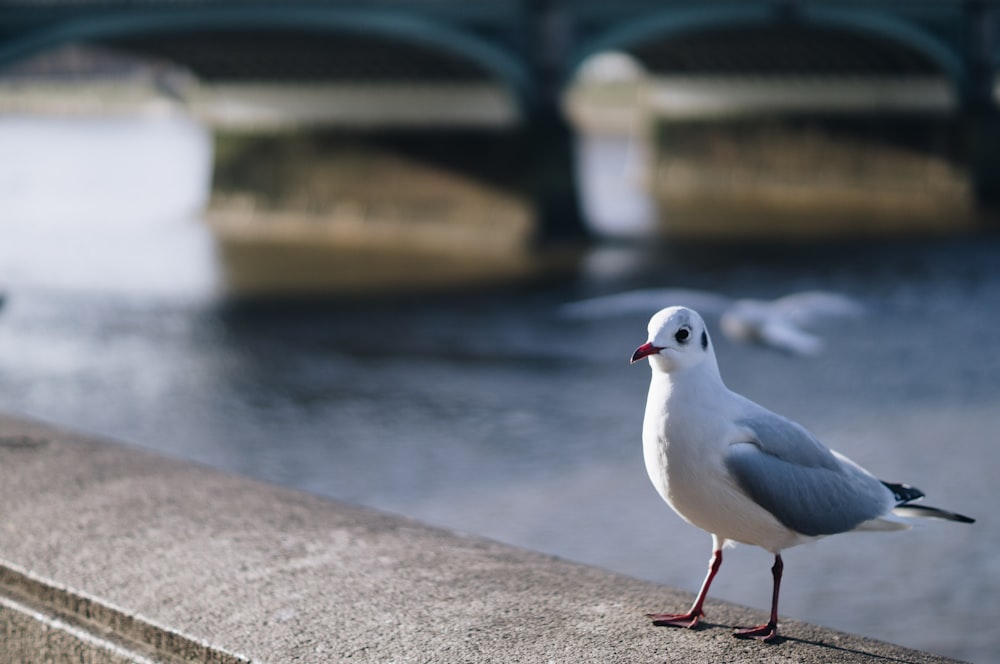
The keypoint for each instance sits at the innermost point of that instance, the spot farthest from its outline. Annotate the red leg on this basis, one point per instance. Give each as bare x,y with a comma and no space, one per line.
690,619
769,631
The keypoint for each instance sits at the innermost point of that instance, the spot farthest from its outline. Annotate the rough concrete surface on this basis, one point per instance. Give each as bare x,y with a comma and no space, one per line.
112,554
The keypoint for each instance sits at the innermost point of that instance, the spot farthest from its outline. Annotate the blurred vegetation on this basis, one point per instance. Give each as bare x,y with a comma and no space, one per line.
799,176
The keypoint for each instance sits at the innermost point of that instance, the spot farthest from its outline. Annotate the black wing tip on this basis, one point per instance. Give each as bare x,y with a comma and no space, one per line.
904,493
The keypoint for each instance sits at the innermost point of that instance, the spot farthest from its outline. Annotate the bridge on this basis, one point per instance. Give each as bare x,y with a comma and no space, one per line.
533,49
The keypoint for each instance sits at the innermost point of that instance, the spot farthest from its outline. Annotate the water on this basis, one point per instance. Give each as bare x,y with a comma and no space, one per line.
487,412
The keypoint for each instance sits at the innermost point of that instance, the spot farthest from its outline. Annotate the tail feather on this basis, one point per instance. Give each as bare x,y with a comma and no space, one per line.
933,512
905,495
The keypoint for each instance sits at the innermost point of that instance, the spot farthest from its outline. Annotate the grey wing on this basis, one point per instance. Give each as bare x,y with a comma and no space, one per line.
810,307
802,483
785,335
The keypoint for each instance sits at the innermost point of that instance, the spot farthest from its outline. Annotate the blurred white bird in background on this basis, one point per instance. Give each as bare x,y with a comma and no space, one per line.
780,323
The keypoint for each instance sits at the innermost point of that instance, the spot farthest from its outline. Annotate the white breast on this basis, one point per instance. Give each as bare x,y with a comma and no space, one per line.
683,449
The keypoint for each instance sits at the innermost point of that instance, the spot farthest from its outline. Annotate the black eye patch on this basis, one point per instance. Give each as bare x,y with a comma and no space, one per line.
704,340
682,335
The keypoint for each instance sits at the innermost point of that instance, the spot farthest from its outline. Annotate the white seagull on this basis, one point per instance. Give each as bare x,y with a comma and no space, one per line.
743,473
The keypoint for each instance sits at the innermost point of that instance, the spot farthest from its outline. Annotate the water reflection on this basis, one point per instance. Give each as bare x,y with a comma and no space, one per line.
102,170
106,204
296,269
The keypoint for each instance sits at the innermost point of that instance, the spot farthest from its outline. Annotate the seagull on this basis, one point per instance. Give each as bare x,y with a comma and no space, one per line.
780,323
743,473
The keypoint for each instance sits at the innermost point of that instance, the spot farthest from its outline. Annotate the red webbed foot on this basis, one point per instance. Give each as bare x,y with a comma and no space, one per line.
688,620
766,633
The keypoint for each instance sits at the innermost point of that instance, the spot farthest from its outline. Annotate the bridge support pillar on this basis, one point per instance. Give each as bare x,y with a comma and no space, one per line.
980,116
551,175
983,154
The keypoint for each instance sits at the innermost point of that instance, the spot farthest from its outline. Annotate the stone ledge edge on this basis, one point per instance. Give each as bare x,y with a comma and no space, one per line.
100,626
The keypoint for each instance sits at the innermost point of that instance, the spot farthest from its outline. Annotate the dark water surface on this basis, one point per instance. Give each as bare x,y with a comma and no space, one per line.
487,412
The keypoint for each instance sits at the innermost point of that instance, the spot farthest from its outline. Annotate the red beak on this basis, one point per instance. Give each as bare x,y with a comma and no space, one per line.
644,350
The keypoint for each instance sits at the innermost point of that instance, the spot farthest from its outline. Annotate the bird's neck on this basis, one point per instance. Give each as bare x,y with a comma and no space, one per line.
692,383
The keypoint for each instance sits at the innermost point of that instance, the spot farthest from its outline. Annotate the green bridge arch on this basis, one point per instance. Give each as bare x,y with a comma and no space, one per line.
407,28
672,22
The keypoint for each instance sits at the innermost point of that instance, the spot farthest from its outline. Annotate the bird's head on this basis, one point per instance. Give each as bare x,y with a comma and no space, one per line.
677,340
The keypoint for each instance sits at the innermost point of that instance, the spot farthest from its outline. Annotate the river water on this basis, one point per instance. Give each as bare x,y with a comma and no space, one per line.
488,412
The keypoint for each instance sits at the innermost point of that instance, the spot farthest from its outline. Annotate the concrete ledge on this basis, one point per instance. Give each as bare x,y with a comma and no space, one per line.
112,554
